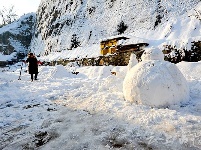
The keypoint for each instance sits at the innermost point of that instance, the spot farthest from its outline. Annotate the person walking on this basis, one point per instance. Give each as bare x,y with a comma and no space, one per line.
33,66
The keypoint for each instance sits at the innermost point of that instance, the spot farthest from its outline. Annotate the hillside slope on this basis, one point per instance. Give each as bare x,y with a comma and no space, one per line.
66,25
16,37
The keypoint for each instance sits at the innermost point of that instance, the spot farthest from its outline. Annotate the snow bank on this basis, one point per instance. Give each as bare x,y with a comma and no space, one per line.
190,70
97,72
155,82
58,72
6,57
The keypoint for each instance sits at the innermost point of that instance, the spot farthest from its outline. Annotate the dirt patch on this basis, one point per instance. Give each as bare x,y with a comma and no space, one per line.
40,138
31,106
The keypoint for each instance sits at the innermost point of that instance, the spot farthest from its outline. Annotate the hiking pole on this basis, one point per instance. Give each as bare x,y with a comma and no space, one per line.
20,72
25,66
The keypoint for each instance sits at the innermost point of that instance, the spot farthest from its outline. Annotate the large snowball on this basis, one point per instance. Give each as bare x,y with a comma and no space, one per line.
155,83
152,54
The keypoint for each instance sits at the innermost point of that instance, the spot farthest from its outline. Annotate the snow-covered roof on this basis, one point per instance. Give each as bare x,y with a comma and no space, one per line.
114,37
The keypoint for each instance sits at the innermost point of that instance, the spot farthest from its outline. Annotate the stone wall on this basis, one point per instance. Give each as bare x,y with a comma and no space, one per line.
120,59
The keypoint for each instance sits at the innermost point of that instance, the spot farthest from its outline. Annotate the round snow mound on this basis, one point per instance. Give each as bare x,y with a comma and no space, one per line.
152,54
155,83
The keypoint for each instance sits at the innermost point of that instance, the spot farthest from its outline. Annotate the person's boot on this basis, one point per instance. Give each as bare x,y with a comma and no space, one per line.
31,77
35,77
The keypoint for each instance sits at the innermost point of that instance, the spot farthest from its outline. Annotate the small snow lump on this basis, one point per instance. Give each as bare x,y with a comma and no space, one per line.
132,61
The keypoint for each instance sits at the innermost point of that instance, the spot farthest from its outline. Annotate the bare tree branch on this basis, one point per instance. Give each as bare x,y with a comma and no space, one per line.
7,15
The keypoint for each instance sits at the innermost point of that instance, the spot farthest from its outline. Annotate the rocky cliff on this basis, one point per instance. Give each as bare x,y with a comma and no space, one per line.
16,37
68,24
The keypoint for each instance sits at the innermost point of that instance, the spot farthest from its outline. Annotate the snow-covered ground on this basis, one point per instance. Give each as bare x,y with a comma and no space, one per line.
65,111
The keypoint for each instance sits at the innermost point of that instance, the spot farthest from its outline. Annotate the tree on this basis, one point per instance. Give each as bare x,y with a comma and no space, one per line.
121,27
74,41
7,15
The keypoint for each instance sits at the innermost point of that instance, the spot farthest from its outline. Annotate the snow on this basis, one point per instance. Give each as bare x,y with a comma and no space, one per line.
91,51
16,27
7,57
132,61
88,111
63,110
177,31
155,82
180,24
14,36
152,53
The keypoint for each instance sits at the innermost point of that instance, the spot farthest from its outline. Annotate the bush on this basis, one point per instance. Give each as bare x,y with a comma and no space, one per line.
121,27
74,42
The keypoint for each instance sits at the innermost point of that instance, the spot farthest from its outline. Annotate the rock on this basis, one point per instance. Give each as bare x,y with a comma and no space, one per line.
16,37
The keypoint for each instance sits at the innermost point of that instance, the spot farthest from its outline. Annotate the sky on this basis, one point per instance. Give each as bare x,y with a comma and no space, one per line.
21,6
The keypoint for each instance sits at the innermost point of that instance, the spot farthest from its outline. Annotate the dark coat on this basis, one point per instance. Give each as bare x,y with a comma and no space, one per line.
33,65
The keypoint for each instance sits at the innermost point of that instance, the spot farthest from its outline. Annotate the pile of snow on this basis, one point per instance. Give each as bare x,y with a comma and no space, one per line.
132,61
7,57
96,72
155,82
60,72
152,54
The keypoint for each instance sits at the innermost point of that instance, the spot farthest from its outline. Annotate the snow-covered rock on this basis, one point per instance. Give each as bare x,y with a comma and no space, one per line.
16,37
155,82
